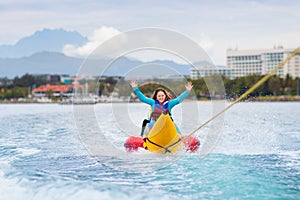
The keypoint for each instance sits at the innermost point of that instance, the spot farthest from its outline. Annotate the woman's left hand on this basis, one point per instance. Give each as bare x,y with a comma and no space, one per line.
189,86
133,83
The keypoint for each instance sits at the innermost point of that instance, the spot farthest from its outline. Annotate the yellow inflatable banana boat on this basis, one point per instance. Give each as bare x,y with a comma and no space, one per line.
163,137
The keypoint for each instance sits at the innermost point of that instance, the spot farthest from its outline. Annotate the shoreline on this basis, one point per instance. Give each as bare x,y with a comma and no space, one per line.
283,98
255,99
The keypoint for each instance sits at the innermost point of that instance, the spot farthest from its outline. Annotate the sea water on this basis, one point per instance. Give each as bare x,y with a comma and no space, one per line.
50,151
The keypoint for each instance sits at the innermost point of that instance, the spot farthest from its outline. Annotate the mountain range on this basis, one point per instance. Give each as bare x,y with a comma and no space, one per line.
58,63
41,53
52,40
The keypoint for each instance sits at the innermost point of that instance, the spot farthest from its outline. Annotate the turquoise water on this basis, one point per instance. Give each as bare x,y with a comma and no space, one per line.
46,152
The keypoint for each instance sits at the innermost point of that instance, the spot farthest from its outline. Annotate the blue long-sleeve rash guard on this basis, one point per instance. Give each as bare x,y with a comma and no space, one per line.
151,102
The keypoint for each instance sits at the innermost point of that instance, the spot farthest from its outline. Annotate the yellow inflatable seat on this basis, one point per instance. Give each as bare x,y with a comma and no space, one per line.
163,137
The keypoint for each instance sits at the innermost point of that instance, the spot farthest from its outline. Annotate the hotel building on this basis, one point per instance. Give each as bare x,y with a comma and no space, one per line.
261,62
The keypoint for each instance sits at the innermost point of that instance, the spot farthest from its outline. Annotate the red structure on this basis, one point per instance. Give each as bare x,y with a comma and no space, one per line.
55,90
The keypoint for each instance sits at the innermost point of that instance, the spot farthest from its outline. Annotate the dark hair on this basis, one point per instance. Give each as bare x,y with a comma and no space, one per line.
168,95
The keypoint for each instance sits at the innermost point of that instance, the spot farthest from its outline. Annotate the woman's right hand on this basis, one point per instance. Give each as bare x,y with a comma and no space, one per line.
189,86
133,83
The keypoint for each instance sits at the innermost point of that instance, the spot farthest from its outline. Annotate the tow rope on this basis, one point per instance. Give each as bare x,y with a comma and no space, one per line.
255,86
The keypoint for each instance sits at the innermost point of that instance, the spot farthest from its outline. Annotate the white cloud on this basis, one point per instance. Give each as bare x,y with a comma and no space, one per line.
159,54
138,47
98,37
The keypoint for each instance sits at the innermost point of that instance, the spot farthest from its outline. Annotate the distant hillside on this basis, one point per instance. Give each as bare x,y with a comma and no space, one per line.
39,63
44,40
58,63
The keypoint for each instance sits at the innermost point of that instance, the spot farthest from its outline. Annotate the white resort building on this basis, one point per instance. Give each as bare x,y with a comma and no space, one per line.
248,62
261,62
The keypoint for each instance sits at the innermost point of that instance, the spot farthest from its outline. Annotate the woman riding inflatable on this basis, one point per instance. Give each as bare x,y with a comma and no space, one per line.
161,102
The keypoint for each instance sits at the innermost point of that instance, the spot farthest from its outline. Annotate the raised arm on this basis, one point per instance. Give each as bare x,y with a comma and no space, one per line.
140,95
182,96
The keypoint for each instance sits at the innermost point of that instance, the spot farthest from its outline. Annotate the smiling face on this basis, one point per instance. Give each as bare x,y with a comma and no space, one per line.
161,97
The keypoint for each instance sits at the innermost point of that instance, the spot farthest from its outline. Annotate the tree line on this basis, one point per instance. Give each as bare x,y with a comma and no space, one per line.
274,86
204,88
18,87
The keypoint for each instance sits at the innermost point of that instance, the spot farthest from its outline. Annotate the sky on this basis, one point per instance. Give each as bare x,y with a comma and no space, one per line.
215,25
